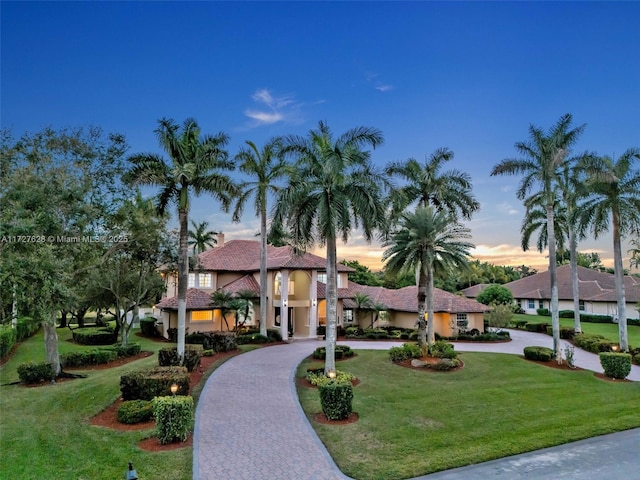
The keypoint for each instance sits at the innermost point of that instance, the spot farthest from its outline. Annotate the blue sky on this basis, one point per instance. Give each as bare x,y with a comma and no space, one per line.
470,76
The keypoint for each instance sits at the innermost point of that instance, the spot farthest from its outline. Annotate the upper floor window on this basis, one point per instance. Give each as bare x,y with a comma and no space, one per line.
192,280
200,280
322,277
278,285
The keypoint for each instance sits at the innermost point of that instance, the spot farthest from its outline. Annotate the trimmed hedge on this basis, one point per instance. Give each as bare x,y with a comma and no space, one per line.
128,350
135,411
318,378
566,333
148,326
342,351
8,338
94,336
542,354
174,418
154,382
219,341
536,327
88,357
593,343
405,352
35,372
336,400
615,365
499,336
26,327
252,338
636,359
168,357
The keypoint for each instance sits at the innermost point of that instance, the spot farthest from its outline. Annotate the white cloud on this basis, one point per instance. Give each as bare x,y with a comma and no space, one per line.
274,108
506,208
265,118
384,88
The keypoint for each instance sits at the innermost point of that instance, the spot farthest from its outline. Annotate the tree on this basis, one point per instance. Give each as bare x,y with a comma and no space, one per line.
362,275
224,301
448,191
197,165
613,201
426,242
542,156
362,302
267,167
495,294
244,300
200,237
332,190
634,261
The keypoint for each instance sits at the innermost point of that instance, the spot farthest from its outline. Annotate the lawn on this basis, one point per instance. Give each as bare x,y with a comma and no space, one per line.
417,422
607,330
44,431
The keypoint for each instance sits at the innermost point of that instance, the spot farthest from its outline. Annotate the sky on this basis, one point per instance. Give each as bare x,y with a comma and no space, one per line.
470,76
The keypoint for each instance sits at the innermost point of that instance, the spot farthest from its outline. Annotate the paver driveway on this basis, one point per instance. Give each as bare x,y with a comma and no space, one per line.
249,424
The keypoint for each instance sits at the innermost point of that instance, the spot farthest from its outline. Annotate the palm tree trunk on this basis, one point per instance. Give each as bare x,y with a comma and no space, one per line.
431,335
555,319
421,322
332,306
619,279
263,270
574,279
183,280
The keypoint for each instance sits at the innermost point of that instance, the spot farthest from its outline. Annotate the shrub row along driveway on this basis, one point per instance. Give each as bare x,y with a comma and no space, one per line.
249,424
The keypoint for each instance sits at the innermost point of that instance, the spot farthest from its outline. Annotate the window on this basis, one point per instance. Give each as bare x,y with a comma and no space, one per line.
278,285
532,304
322,278
540,303
383,318
192,280
581,305
461,320
204,280
347,316
202,316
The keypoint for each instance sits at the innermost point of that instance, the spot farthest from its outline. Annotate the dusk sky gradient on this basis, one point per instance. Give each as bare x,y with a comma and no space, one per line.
462,75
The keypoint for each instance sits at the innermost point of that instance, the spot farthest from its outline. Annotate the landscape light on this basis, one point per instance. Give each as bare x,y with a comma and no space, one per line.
174,388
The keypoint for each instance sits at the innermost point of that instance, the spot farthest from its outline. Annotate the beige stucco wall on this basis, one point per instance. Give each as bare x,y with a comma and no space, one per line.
596,308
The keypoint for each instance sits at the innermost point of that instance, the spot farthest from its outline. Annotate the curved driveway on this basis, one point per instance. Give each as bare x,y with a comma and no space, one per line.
249,424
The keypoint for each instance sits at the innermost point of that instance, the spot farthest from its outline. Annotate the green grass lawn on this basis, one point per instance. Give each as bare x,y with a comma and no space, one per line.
415,422
44,431
607,330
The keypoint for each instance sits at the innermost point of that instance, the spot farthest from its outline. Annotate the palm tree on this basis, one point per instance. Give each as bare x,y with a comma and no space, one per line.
225,302
449,191
362,302
427,241
201,238
196,165
332,190
634,260
244,299
266,167
543,154
614,197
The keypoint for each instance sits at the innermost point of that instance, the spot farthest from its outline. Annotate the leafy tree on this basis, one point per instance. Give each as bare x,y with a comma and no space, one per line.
495,294
427,241
200,237
613,201
267,168
332,190
449,191
196,166
542,157
362,275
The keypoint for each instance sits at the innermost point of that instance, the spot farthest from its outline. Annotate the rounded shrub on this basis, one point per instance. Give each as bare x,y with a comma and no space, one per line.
35,372
7,339
542,354
94,336
148,326
135,411
336,400
615,365
174,418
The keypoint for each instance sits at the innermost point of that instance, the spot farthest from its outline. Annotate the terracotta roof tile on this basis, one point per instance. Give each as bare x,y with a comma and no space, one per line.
246,283
196,300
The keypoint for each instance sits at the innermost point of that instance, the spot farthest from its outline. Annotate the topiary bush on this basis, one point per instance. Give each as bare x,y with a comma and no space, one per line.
542,354
154,382
148,326
7,339
94,336
174,418
88,357
128,350
135,411
336,400
615,365
33,372
168,357
220,341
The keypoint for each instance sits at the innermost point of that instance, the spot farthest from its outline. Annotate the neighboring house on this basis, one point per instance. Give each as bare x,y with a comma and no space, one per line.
295,284
597,292
452,313
296,298
474,290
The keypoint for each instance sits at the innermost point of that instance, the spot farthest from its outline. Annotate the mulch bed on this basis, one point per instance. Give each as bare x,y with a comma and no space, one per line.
431,361
321,418
602,376
554,364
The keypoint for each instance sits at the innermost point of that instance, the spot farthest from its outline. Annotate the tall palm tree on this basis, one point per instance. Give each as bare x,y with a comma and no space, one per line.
200,237
332,190
225,302
427,241
362,302
449,191
267,168
196,165
614,200
634,260
542,156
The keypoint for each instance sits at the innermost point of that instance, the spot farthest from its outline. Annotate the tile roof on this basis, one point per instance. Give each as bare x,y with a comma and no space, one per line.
246,283
595,286
405,299
196,300
244,256
474,290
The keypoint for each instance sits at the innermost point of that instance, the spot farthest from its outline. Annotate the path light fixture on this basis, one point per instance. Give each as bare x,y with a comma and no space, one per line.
174,388
615,348
331,374
131,473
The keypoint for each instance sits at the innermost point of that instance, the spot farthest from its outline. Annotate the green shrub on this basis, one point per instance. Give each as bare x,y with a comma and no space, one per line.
353,331
154,382
128,350
542,354
208,353
500,315
318,378
543,312
445,364
148,327
84,358
274,335
593,343
94,336
252,338
342,351
615,365
168,357
636,359
174,418
135,411
195,338
536,327
592,318
321,330
336,400
443,349
496,295
220,341
520,323
26,328
7,339
405,352
35,372
566,333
